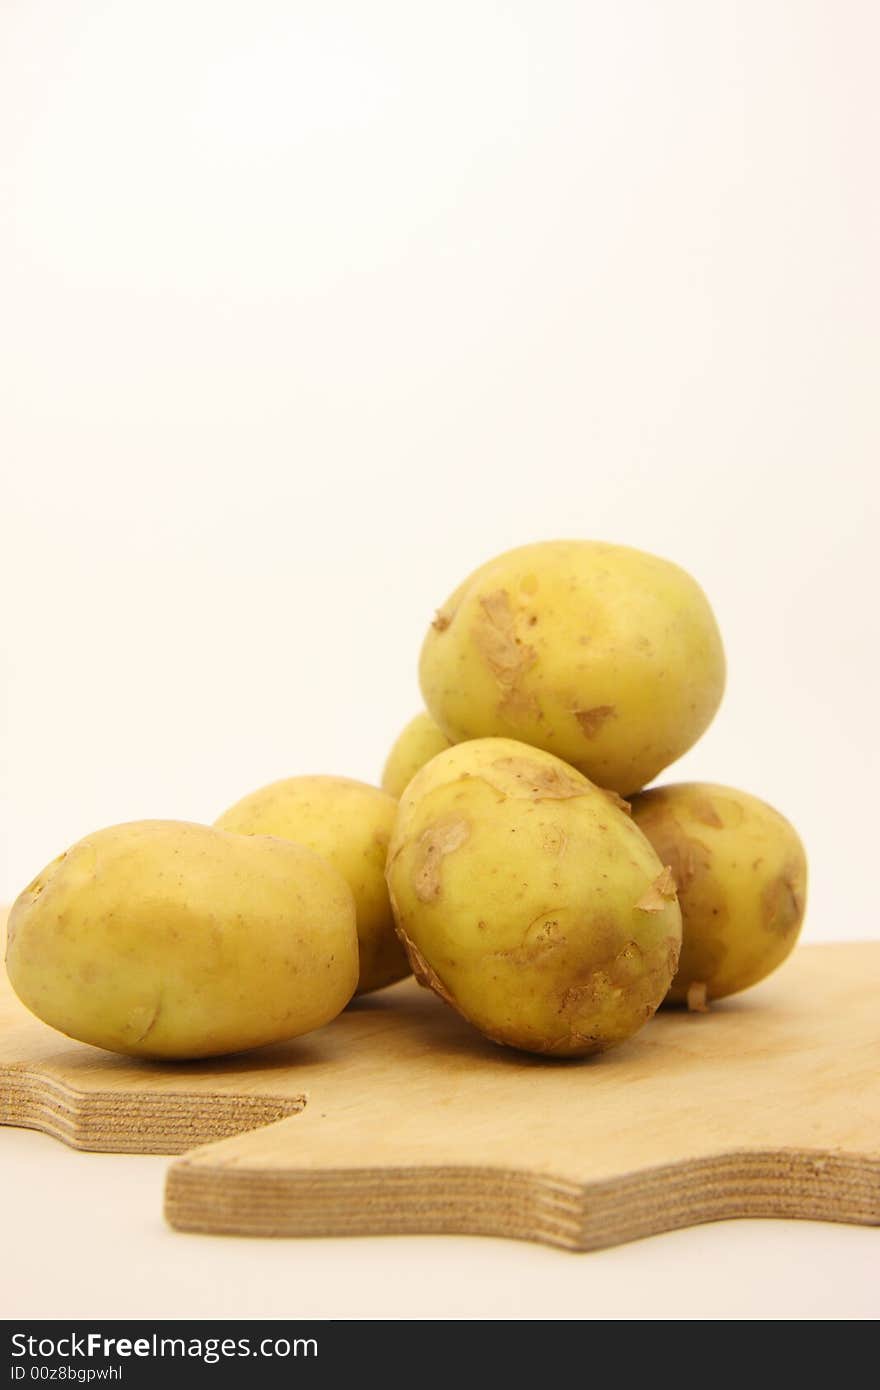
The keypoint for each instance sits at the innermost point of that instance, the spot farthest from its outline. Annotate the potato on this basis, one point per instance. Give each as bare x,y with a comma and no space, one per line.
416,745
742,878
165,939
603,655
349,824
529,901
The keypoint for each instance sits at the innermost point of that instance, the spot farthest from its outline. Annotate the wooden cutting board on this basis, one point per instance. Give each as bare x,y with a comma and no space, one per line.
398,1117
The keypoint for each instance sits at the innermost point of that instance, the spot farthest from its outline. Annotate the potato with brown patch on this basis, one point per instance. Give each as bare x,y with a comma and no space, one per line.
606,656
349,824
528,899
171,940
742,879
417,744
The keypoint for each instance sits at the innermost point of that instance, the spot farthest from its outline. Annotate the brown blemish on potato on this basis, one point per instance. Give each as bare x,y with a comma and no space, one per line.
538,781
542,934
144,1018
615,973
441,621
630,973
546,931
660,892
731,811
425,973
673,954
782,903
518,704
586,1044
575,996
617,800
443,837
686,856
36,886
591,720
704,811
553,840
506,655
696,997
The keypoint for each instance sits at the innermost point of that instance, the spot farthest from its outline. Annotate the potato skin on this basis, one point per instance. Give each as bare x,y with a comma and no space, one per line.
417,744
165,939
349,824
742,881
606,656
529,901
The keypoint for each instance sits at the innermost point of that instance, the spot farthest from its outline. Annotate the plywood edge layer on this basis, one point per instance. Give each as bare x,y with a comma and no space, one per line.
818,1185
125,1122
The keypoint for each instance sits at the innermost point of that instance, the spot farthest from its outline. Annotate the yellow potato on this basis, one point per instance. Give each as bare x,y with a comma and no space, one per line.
742,880
165,939
416,745
529,901
603,655
349,824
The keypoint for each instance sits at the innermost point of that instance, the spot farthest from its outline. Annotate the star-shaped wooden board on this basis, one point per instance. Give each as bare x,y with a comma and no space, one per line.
399,1117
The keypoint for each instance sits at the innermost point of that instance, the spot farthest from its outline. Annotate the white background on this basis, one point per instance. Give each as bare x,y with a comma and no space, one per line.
309,309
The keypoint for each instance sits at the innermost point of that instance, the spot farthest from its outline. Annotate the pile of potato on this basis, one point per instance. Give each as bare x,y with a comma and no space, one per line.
501,863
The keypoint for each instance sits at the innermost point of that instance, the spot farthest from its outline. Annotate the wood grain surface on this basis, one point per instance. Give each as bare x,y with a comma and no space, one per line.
769,1105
